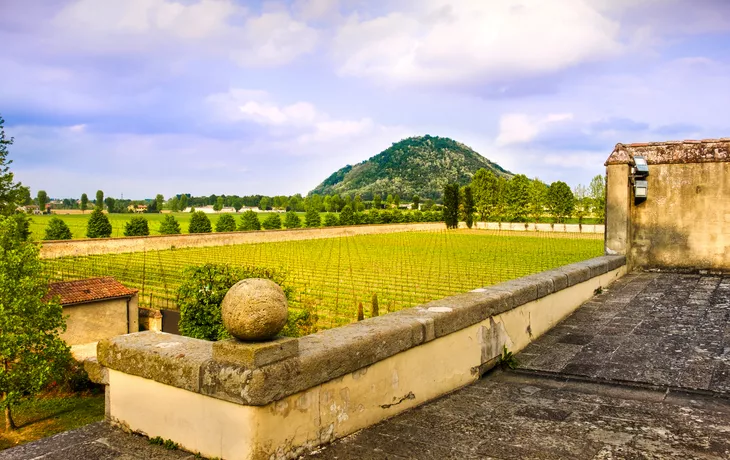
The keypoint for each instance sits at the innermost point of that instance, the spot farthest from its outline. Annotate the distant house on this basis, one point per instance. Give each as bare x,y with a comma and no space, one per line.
137,208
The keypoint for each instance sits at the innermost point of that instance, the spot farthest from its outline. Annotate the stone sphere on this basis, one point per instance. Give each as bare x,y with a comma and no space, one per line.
254,309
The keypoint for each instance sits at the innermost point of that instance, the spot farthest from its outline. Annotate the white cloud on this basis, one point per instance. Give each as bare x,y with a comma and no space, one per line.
474,41
518,128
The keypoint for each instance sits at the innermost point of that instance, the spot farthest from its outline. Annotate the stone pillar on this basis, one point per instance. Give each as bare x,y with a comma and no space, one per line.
618,209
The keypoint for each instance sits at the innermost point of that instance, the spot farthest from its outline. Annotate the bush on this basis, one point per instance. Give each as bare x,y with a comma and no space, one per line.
199,223
169,226
226,223
98,225
417,216
137,226
301,322
272,222
250,221
330,220
292,220
312,219
346,216
57,230
201,294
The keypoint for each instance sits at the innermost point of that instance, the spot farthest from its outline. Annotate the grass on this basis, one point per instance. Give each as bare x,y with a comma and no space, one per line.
50,414
334,275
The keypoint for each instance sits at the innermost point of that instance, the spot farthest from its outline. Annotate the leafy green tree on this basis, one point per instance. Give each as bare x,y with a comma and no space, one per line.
99,203
377,201
331,220
390,200
226,223
451,205
518,198
110,202
468,207
98,225
581,204
249,221
265,203
427,205
538,192
272,222
416,200
32,353
484,189
23,195
218,204
396,201
42,200
560,201
174,204
359,205
237,204
312,219
328,206
169,225
84,202
199,223
137,226
292,220
11,193
597,193
347,217
160,201
57,230
183,202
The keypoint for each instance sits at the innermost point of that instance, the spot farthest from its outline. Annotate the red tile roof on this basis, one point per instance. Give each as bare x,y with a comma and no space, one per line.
88,290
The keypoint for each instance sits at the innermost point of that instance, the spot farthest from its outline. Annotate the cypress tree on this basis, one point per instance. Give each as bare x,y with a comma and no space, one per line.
451,205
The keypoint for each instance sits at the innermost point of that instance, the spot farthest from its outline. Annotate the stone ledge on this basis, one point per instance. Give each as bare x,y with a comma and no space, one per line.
193,364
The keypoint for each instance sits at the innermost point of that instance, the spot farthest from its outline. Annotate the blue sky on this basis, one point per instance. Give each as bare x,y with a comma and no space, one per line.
220,96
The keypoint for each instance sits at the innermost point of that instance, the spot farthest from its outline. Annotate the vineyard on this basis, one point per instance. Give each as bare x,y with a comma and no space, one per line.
334,275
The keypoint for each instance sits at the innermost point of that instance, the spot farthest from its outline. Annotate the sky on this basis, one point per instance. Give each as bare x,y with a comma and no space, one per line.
140,97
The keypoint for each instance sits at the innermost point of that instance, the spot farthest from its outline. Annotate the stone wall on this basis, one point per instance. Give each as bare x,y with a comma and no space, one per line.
94,321
685,221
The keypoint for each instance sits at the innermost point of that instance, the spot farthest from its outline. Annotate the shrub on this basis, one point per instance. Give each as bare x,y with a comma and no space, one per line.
98,225
292,220
272,222
201,294
57,230
301,322
250,221
226,223
312,218
330,220
417,216
137,226
169,226
199,223
346,216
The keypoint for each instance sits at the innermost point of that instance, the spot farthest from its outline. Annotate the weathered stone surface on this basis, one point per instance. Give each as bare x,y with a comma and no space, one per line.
96,372
166,358
254,309
255,354
521,291
576,273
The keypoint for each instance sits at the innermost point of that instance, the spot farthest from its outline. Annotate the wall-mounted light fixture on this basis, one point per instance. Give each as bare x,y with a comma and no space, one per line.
639,173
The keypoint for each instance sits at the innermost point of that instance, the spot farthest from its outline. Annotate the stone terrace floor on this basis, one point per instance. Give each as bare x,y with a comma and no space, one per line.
641,371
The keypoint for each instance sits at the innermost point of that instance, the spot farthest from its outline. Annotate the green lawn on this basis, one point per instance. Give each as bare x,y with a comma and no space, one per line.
47,415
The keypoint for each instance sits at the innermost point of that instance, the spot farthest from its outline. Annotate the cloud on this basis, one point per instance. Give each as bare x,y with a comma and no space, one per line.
519,128
438,42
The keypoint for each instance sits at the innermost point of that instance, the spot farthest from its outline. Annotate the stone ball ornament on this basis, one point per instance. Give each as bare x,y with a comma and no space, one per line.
254,309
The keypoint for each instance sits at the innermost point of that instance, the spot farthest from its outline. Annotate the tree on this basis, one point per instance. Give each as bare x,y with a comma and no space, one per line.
538,191
597,193
237,204
312,219
226,223
137,226
110,202
42,200
416,200
328,203
218,204
199,223
160,201
331,220
32,353
560,201
396,201
99,203
183,202
84,202
11,193
451,205
484,189
377,201
427,205
174,204
98,225
468,207
265,203
169,226
272,222
390,200
292,220
249,221
518,198
582,204
24,196
57,230
347,217
359,205
499,199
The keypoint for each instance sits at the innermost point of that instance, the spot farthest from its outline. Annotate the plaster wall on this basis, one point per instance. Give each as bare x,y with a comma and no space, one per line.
94,321
336,408
617,209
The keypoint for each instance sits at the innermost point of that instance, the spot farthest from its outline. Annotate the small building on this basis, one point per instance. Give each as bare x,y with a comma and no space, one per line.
137,208
95,309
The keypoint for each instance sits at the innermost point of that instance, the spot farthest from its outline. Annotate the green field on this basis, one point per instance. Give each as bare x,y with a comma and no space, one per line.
333,275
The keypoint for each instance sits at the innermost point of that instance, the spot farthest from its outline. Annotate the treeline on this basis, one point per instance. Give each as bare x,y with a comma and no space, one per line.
519,199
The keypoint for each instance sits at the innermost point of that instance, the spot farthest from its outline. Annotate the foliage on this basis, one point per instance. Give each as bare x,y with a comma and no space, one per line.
331,220
582,203
84,202
218,204
507,360
202,291
110,202
597,193
168,444
468,207
484,189
249,221
226,223
312,219
375,311
420,165
159,201
11,193
301,322
538,193
199,223
518,198
137,226
377,201
560,201
98,225
416,200
292,220
57,230
31,352
347,217
183,202
451,205
42,200
169,226
99,203
272,222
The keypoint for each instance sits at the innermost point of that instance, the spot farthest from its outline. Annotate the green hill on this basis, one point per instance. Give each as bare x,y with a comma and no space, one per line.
419,165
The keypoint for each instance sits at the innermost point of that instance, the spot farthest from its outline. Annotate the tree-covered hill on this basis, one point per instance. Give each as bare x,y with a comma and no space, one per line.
419,165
